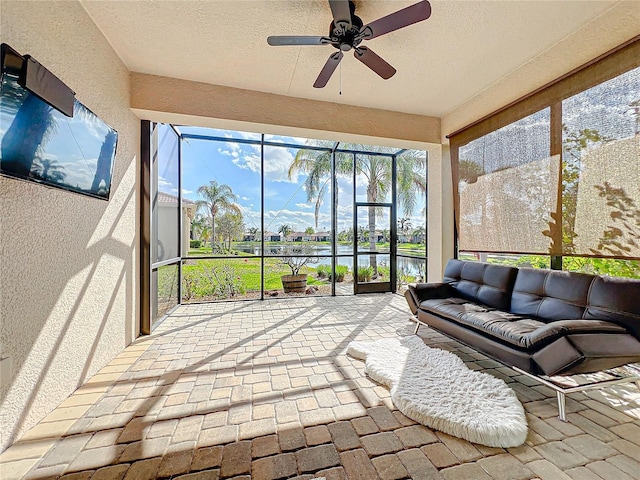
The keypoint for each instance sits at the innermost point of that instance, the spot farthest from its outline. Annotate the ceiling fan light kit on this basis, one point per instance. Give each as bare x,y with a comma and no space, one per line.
347,31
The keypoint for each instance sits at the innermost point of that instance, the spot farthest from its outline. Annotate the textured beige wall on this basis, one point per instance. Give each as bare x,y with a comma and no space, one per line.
68,262
605,32
151,93
440,213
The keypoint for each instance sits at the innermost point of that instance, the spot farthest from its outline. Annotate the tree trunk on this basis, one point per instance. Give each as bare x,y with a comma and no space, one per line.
213,232
372,197
103,169
26,134
373,260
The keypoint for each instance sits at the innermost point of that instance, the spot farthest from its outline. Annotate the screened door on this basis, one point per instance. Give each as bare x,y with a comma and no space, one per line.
374,247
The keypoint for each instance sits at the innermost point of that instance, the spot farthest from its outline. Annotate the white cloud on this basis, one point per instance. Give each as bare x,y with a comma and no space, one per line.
303,205
276,164
78,174
186,192
234,149
162,183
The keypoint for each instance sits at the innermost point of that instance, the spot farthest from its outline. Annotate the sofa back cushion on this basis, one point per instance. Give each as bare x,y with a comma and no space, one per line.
616,300
551,294
491,285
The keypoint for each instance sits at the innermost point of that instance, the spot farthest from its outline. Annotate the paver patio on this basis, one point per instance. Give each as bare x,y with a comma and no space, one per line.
264,390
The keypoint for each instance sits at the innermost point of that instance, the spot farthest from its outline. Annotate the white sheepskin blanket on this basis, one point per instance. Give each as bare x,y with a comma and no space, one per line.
435,388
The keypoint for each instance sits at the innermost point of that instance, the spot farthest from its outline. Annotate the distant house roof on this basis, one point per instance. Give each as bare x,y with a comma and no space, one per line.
164,197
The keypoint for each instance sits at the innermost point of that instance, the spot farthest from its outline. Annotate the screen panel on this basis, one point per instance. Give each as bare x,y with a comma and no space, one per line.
601,176
165,179
508,187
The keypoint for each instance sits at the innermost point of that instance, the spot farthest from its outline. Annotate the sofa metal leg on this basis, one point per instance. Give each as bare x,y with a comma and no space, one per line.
562,406
414,318
616,378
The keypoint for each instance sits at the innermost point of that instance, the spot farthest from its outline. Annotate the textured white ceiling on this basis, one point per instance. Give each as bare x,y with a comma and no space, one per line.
443,62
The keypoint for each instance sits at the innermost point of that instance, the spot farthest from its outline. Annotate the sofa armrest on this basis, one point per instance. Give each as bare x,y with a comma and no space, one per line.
419,292
553,330
429,291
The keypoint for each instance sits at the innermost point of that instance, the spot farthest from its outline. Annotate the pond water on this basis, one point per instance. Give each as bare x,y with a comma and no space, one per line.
406,265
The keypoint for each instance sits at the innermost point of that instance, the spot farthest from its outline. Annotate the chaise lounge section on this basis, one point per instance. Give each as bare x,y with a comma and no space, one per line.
542,322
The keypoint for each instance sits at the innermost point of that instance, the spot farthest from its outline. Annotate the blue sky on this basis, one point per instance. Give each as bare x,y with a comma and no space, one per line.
238,165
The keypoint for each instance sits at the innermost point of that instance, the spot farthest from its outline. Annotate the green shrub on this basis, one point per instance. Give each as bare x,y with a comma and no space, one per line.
323,271
341,271
384,271
364,274
195,243
190,284
226,282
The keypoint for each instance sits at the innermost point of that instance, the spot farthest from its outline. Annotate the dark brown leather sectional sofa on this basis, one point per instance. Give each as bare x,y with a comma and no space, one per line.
546,322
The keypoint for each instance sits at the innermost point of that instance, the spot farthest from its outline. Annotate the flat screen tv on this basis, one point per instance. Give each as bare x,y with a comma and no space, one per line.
38,143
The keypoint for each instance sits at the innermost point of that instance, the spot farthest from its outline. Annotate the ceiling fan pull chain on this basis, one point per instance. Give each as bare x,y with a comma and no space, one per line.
340,92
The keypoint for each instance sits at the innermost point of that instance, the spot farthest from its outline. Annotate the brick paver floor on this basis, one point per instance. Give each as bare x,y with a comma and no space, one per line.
264,390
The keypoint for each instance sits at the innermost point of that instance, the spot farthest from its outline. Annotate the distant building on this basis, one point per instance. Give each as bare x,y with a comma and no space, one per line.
167,221
271,236
321,236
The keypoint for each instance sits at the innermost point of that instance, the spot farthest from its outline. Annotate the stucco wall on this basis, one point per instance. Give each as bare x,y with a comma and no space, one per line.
172,100
68,262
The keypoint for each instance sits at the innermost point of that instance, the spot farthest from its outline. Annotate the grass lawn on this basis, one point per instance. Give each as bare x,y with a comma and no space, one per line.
231,277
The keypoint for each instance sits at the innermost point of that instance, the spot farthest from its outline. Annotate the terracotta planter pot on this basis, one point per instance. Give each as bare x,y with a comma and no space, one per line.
294,283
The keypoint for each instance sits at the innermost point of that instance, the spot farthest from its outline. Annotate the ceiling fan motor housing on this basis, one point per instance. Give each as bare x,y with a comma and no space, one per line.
346,39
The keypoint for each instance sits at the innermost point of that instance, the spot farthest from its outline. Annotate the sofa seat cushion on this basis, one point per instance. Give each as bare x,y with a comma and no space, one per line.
521,331
452,308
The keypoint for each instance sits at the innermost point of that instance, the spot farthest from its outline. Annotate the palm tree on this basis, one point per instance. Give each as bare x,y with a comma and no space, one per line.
198,224
404,224
32,127
411,179
285,230
217,198
49,170
103,168
316,165
253,231
419,234
205,233
361,233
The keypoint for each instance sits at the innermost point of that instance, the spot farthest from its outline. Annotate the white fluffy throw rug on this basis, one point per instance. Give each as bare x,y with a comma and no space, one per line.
434,387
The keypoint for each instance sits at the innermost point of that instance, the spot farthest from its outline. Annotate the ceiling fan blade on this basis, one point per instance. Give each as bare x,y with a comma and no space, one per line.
288,40
328,69
341,12
374,62
402,18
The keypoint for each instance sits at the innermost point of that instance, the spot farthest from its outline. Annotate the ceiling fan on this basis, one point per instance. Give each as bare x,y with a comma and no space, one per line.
347,32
